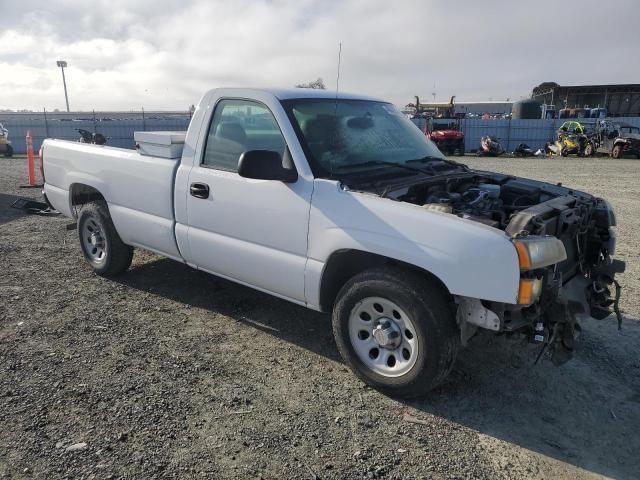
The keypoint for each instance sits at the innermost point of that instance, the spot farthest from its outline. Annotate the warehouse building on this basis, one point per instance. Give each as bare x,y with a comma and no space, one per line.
618,100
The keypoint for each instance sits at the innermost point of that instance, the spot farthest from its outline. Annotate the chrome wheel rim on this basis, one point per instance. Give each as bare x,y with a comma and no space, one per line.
383,336
93,241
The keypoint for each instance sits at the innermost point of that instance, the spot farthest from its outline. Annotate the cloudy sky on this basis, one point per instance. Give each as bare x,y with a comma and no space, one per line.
161,54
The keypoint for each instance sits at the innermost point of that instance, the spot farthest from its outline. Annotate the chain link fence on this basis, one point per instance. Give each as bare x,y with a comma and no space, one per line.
118,127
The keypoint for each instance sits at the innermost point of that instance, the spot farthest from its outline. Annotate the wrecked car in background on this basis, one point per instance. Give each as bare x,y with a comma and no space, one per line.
617,139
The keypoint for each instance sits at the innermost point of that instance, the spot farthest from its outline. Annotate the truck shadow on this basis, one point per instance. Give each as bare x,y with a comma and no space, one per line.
585,413
180,283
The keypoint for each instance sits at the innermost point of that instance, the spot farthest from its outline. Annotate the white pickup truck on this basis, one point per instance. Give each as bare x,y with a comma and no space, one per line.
340,204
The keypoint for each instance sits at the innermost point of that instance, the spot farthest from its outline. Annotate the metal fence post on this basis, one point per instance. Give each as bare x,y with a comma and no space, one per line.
46,123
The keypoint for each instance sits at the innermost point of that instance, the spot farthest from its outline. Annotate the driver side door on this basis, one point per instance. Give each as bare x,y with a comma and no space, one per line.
251,231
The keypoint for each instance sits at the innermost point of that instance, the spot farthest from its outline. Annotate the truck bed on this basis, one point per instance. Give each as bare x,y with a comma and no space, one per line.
137,188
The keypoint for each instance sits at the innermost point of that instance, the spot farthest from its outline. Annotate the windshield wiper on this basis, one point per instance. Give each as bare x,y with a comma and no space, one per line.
430,158
385,163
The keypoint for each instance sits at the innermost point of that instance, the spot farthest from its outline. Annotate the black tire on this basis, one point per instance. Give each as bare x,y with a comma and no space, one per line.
117,255
8,151
616,152
589,150
432,315
461,149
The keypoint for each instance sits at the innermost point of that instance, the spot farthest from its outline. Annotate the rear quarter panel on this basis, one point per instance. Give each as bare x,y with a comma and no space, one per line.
138,189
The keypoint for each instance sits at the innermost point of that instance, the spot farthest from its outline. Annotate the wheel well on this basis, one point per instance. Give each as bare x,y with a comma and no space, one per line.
81,194
344,264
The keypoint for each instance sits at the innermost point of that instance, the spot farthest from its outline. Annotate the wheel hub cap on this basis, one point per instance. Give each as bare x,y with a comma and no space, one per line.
95,239
94,243
387,334
383,336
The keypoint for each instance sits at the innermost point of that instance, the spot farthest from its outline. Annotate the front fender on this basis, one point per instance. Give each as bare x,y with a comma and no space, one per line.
471,259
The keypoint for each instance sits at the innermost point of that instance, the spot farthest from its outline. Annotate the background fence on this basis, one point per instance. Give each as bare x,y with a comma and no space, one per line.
118,127
512,133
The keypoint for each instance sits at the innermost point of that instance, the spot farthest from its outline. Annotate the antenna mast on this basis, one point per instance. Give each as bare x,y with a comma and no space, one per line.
338,75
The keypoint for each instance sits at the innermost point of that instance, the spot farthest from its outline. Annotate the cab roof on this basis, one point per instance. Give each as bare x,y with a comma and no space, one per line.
296,93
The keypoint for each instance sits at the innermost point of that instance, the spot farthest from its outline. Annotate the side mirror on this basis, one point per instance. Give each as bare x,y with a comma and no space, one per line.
265,165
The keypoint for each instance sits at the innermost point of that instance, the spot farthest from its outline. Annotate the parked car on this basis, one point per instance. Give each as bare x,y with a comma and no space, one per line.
617,140
341,205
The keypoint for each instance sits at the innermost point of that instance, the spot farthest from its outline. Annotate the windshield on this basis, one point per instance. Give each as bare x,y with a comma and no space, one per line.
343,136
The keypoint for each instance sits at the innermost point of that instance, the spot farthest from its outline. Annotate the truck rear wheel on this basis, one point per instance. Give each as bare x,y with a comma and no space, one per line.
396,331
101,245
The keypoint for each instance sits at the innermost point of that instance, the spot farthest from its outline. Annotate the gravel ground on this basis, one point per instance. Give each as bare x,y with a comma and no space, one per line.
168,372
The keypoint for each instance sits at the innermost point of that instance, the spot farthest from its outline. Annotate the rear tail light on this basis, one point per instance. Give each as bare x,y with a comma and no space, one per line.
41,159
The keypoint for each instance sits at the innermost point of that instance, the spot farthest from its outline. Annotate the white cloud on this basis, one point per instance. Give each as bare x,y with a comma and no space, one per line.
165,54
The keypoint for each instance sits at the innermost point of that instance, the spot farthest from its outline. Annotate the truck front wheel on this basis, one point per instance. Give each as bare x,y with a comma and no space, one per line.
101,245
396,330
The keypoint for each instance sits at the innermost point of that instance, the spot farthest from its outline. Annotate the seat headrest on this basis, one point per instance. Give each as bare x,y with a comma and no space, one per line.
232,131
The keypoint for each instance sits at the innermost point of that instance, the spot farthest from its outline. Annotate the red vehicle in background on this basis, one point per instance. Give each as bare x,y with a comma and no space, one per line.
440,125
446,134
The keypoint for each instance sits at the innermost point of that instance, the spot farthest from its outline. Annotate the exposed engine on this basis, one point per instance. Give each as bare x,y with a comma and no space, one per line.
481,203
582,284
525,207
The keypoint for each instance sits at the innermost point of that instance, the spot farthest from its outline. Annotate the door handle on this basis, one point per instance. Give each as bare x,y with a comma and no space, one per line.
199,190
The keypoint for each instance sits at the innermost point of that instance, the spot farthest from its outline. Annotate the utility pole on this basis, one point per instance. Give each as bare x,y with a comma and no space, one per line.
62,64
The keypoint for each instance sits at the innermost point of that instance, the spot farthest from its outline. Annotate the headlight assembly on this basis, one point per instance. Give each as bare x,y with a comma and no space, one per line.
533,253
537,252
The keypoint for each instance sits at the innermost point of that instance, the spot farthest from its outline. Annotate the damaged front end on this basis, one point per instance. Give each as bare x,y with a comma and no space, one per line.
565,241
579,285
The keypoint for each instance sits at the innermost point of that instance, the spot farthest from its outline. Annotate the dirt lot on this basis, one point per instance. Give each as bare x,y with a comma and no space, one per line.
168,372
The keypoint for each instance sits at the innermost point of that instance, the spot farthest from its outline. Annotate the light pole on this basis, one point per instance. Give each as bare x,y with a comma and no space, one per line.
62,64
